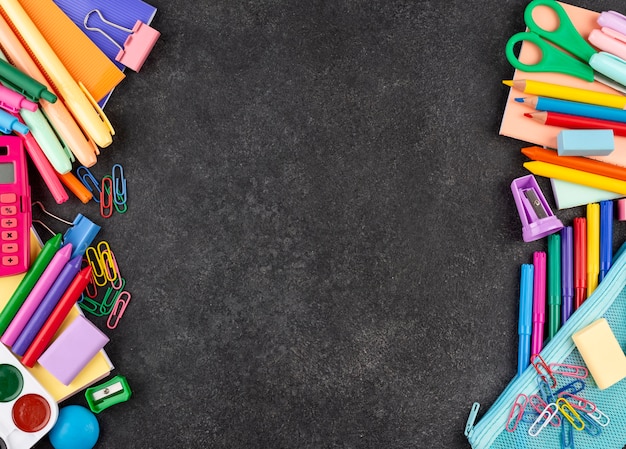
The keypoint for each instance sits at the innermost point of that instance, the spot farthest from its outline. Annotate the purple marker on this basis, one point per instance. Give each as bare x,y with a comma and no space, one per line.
36,295
47,306
539,302
567,272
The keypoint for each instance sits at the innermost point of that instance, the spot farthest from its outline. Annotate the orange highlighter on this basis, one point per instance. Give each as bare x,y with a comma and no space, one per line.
580,261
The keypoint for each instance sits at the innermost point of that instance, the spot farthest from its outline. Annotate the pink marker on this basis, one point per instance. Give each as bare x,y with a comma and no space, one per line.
13,101
36,295
539,302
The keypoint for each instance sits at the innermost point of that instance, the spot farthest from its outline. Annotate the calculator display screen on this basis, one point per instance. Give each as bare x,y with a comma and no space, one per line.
7,173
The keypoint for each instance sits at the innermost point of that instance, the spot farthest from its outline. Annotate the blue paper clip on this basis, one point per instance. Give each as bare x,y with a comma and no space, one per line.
89,181
571,388
81,234
119,185
567,436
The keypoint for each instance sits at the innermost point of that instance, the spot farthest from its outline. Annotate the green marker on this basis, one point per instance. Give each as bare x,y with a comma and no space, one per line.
554,284
30,279
24,84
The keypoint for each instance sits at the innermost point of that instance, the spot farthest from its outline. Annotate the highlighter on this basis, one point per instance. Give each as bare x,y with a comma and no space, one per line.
525,317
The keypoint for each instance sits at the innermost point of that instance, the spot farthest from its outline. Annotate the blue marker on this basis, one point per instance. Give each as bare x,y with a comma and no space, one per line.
606,237
525,317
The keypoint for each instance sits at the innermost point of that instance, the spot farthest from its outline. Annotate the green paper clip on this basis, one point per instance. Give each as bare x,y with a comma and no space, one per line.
107,394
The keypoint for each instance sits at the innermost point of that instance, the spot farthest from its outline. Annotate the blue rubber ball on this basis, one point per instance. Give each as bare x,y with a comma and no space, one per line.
76,428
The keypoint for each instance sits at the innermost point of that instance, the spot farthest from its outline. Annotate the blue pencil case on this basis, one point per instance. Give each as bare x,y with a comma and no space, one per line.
504,427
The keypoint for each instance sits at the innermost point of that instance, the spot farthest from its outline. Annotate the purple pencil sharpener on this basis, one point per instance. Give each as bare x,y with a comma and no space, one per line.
537,218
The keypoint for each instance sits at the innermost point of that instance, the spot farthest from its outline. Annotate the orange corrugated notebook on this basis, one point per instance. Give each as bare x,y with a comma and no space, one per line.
80,56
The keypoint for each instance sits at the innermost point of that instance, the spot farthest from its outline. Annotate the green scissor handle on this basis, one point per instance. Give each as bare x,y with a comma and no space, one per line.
564,36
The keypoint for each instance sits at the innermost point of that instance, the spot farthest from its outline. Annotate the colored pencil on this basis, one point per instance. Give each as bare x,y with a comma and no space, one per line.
576,122
576,176
574,108
531,87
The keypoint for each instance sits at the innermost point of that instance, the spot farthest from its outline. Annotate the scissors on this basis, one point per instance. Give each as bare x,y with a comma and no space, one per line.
564,36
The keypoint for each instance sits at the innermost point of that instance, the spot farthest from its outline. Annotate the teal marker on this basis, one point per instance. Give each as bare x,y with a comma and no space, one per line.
24,84
28,282
554,284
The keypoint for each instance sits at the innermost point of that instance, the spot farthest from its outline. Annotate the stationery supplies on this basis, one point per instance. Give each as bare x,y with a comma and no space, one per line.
84,61
539,302
69,132
621,209
554,284
535,214
524,328
609,41
73,349
593,246
15,212
13,101
585,142
576,176
36,295
70,181
81,234
105,395
576,122
567,273
84,109
551,90
138,44
54,321
579,59
27,410
28,282
567,194
606,238
574,108
575,162
601,352
46,306
580,260
25,84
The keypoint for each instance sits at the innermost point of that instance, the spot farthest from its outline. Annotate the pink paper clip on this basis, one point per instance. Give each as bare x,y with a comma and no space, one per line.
118,310
541,365
579,403
138,45
517,411
578,372
106,197
539,405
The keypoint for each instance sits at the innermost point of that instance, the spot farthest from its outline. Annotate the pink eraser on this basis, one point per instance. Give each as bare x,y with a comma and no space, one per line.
138,46
621,209
73,349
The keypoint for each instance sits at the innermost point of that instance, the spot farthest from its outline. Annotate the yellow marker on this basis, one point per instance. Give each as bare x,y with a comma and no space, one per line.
576,176
86,112
567,93
593,246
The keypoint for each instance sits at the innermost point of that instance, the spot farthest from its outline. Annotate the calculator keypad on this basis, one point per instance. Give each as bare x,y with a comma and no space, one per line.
8,230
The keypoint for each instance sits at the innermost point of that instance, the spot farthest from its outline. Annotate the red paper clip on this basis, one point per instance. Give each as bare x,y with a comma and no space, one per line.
541,364
518,407
578,372
106,197
118,309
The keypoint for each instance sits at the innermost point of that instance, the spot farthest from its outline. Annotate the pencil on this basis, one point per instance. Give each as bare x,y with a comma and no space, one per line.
574,108
531,87
576,176
576,162
576,122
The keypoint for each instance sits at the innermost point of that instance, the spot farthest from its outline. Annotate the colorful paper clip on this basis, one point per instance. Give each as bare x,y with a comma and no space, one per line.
579,403
539,405
573,387
543,370
598,416
118,309
591,427
89,181
576,371
106,197
120,195
543,419
517,411
567,436
570,414
138,45
107,394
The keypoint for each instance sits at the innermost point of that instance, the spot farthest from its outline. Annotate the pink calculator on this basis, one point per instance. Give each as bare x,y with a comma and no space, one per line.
27,410
15,210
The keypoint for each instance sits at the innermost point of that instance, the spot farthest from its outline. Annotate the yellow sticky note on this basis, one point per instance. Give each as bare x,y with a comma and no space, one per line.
602,353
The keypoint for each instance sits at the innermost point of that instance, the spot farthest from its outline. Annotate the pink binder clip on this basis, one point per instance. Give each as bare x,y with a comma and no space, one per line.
138,45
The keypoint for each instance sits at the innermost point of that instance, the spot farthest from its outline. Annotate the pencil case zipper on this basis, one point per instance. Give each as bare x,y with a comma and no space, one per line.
484,433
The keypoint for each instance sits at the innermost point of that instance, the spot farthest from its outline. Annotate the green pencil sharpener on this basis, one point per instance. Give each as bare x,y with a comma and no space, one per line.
107,394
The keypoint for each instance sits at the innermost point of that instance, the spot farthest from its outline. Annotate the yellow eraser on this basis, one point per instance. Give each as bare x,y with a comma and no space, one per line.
601,352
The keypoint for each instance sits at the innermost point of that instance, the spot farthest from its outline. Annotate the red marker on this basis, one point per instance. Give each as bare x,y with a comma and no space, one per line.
580,261
58,315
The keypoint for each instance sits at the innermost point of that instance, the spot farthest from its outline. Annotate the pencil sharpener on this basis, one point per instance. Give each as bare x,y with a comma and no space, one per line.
107,394
537,218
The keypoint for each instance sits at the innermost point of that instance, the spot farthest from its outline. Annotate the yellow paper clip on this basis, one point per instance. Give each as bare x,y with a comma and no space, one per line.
570,414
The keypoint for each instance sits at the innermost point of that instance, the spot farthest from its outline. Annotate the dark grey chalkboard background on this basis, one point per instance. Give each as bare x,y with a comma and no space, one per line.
321,243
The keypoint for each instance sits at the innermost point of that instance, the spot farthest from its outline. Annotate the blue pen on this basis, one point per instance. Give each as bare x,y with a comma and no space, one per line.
525,325
606,237
567,272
